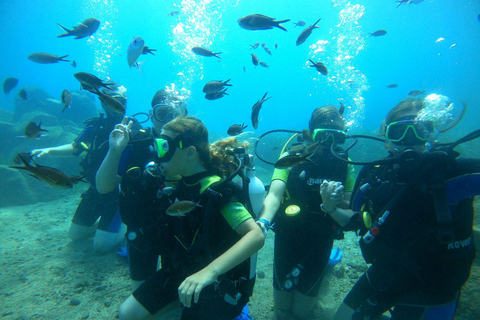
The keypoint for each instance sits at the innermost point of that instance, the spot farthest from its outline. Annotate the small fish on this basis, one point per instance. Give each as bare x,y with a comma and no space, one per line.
452,46
341,110
109,102
46,58
91,81
9,84
66,98
216,95
148,50
254,59
276,45
319,66
260,22
77,179
290,161
378,33
205,52
84,29
215,86
311,149
51,176
254,46
236,129
23,94
256,110
439,39
300,23
173,13
393,85
27,156
74,64
181,208
244,70
306,33
33,131
267,50
263,64
400,2
134,50
416,92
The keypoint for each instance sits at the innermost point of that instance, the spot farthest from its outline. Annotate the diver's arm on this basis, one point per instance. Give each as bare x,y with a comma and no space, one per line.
252,241
272,200
66,150
334,203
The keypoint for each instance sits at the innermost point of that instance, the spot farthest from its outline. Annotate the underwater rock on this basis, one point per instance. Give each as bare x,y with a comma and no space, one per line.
14,189
75,302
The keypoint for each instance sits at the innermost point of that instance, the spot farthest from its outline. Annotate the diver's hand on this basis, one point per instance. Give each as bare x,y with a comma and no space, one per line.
120,136
40,152
332,194
193,285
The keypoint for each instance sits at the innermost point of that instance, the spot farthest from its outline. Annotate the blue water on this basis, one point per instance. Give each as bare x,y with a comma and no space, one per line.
359,66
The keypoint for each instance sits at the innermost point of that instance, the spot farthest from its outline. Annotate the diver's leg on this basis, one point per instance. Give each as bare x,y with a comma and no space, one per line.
302,305
85,220
283,302
344,312
107,240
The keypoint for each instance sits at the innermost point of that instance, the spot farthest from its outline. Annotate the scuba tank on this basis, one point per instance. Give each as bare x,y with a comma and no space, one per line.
256,189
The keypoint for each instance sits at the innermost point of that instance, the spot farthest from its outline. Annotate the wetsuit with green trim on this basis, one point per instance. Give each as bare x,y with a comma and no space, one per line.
200,237
304,241
413,270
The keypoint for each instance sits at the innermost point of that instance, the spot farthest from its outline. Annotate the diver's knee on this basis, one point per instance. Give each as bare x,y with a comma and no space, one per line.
107,241
131,309
78,232
344,312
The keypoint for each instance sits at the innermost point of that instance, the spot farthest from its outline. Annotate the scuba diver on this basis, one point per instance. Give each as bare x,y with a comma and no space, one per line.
142,201
414,211
96,213
304,233
213,234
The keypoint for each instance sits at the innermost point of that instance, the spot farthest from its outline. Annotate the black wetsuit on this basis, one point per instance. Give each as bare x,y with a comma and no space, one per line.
412,268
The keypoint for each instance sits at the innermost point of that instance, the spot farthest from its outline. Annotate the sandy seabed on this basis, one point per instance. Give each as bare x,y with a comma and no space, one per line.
43,275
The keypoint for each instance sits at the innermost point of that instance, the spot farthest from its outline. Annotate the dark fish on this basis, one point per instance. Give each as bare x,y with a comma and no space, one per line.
254,46
244,70
109,102
74,64
27,156
23,94
267,50
148,50
181,208
236,129
215,86
254,59
276,45
341,110
32,131
311,149
263,64
90,80
66,98
319,66
378,33
306,33
393,85
205,52
174,13
256,110
300,23
45,58
9,84
416,92
77,179
260,22
84,29
290,161
216,95
51,176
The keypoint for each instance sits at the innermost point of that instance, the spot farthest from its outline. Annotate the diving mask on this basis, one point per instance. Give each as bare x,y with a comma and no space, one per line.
409,132
165,147
164,113
331,135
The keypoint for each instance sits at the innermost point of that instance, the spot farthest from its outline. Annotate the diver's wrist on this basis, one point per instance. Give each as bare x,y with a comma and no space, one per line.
326,210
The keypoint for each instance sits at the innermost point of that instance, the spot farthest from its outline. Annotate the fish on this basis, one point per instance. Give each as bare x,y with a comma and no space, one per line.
74,64
66,98
215,86
23,94
91,81
244,70
393,85
76,179
311,149
378,33
267,50
148,50
216,95
263,64
256,110
134,50
300,23
181,208
319,66
205,52
84,29
254,46
341,110
416,92
400,2
46,58
27,156
173,13
254,59
452,46
109,102
50,176
439,39
290,161
33,131
276,45
306,33
260,22
9,84
236,129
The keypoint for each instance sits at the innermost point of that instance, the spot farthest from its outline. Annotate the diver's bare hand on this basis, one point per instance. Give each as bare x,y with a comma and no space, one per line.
120,136
39,152
193,286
